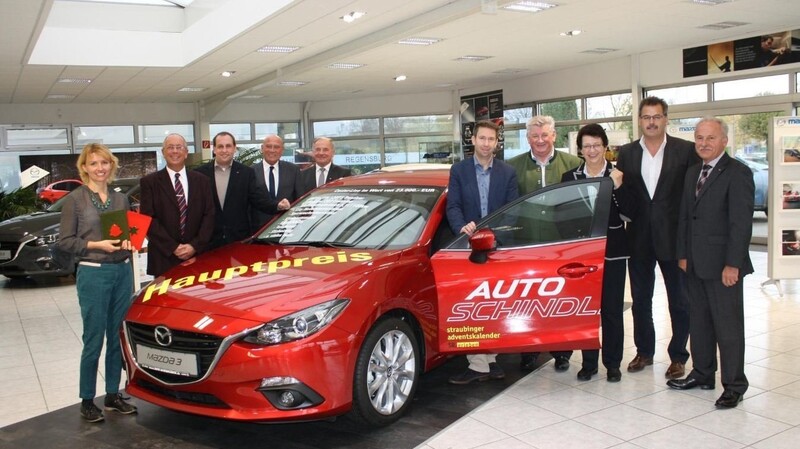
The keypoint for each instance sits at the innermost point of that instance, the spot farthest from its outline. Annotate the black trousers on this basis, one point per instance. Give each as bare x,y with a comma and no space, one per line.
611,308
717,321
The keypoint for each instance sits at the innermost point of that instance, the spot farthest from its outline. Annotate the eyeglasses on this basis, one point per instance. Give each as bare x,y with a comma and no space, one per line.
595,146
647,118
174,147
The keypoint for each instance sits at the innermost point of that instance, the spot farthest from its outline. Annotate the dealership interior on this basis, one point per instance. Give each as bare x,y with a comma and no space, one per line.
386,81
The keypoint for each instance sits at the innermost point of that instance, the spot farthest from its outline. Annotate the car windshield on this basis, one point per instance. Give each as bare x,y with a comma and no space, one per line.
367,217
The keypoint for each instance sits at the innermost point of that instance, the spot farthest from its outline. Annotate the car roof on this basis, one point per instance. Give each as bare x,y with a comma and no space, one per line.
400,175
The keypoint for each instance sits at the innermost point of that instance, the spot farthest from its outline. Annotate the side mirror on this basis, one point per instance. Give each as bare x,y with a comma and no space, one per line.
481,242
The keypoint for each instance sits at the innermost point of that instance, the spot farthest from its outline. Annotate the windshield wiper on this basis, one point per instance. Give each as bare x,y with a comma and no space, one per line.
324,244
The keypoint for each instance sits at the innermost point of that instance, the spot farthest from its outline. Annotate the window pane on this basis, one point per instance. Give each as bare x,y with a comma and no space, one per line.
34,137
517,115
562,137
562,110
697,93
107,135
359,155
155,134
240,131
337,128
418,124
751,87
286,130
617,105
421,149
516,142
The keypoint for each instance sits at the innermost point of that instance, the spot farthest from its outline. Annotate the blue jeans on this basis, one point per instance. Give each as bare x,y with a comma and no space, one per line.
643,278
104,294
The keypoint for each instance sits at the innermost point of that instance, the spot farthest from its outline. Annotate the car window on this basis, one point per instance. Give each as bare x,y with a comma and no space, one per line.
71,185
370,217
564,212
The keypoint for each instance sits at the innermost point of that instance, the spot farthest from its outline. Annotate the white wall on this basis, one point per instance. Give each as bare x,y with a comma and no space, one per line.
97,114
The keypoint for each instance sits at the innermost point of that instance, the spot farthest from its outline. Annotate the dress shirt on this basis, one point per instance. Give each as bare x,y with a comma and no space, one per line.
183,178
651,165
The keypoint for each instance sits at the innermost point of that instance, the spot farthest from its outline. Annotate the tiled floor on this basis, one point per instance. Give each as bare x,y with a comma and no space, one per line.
40,330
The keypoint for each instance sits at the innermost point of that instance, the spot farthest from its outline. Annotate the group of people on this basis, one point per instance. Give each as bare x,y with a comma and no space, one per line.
192,211
684,206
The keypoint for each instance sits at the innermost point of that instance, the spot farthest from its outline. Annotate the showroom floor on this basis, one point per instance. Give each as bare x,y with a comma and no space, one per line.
40,344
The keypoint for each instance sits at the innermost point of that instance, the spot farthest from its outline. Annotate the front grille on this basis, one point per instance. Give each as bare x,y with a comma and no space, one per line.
183,396
204,345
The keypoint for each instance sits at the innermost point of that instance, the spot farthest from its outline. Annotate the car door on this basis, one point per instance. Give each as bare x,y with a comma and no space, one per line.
531,277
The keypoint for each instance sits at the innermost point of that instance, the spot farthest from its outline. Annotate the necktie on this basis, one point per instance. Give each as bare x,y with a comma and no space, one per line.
702,180
272,181
181,197
321,179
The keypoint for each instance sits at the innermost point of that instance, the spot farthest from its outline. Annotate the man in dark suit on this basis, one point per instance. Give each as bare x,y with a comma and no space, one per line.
716,223
654,167
324,170
236,192
478,186
284,182
179,201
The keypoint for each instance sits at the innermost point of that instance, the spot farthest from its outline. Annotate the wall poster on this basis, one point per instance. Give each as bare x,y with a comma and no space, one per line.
474,108
742,54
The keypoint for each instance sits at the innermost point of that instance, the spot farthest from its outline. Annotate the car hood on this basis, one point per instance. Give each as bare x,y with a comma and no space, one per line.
37,223
260,282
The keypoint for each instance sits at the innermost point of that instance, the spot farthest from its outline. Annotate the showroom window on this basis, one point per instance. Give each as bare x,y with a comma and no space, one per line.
249,137
751,87
694,93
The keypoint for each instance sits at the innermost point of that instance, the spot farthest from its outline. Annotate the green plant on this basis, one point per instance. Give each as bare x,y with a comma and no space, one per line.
19,202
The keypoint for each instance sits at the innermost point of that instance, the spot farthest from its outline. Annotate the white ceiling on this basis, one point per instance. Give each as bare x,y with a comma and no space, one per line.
191,47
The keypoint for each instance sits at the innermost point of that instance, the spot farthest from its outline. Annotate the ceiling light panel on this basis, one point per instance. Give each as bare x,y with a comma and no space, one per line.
471,58
600,50
353,16
710,2
526,6
277,49
292,83
722,25
191,89
74,80
344,65
419,41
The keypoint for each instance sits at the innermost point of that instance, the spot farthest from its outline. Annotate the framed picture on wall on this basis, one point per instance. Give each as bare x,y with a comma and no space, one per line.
791,150
790,242
790,193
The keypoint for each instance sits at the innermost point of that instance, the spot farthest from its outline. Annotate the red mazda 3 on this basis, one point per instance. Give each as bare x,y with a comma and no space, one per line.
340,304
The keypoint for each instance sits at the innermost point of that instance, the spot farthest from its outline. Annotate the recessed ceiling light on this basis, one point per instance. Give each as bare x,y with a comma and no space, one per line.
75,80
227,73
571,33
60,97
722,25
472,58
344,65
191,89
419,41
353,16
400,78
292,83
527,6
277,49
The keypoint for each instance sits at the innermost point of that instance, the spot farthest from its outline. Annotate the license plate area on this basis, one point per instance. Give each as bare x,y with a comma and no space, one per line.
5,254
173,362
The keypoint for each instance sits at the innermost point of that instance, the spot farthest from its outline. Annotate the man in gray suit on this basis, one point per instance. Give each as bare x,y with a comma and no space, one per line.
714,230
280,178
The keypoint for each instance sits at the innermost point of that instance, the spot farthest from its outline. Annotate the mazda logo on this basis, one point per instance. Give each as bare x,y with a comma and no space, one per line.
163,335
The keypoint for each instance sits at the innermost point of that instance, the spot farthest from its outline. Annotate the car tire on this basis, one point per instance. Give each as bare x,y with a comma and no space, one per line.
386,374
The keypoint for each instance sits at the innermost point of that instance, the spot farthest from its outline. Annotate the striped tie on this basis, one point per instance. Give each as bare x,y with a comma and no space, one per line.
702,180
181,197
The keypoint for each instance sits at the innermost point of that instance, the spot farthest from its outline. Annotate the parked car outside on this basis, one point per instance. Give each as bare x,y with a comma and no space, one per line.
57,190
760,171
28,242
338,305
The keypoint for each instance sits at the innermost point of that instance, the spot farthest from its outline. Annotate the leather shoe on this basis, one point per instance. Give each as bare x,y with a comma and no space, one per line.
689,383
676,370
527,361
638,363
586,373
562,363
468,376
729,399
496,372
613,375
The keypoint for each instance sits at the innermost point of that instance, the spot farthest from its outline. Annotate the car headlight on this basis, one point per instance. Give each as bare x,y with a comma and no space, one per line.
297,325
46,240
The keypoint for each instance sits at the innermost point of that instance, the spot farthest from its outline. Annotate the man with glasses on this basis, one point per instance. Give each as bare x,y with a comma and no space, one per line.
279,177
654,168
181,205
541,167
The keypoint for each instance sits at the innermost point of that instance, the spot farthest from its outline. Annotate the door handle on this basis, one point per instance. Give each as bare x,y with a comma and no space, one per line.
576,270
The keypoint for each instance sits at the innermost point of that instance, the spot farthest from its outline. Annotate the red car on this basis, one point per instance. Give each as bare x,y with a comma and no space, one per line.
55,190
340,304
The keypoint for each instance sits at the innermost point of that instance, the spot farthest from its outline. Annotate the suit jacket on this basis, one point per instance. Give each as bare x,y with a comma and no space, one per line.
232,222
309,176
656,220
616,238
716,225
463,198
289,187
158,201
